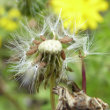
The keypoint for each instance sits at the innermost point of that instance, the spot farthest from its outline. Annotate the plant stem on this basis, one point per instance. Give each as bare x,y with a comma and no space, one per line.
83,72
52,97
28,6
83,75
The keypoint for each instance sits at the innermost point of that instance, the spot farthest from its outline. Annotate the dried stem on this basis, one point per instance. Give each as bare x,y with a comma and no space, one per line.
52,96
77,100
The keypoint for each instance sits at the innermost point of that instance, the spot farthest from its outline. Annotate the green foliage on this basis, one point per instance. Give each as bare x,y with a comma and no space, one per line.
31,7
97,66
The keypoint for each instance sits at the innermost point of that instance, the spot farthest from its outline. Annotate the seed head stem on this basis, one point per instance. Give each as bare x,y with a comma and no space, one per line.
52,97
83,72
83,76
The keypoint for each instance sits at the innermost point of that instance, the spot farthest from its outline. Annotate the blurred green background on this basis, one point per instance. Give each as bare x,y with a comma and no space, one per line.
13,97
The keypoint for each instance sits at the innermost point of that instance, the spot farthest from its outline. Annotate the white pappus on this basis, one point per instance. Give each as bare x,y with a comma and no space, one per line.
38,56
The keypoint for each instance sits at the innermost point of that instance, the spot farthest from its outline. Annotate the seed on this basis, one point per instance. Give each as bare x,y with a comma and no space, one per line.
66,40
31,51
43,38
63,56
36,42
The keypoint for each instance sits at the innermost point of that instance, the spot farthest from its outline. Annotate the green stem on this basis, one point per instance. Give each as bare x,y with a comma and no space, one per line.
28,6
52,97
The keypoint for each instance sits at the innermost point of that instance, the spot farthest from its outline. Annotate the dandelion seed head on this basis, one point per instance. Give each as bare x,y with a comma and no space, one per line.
51,46
37,54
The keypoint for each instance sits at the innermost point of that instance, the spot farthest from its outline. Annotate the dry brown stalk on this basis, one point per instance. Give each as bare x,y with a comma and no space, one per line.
77,100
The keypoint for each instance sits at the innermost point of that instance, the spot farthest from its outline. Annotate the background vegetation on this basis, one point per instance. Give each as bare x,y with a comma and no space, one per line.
13,97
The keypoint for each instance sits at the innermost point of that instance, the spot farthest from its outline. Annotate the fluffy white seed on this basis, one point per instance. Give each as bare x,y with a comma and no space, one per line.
51,46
